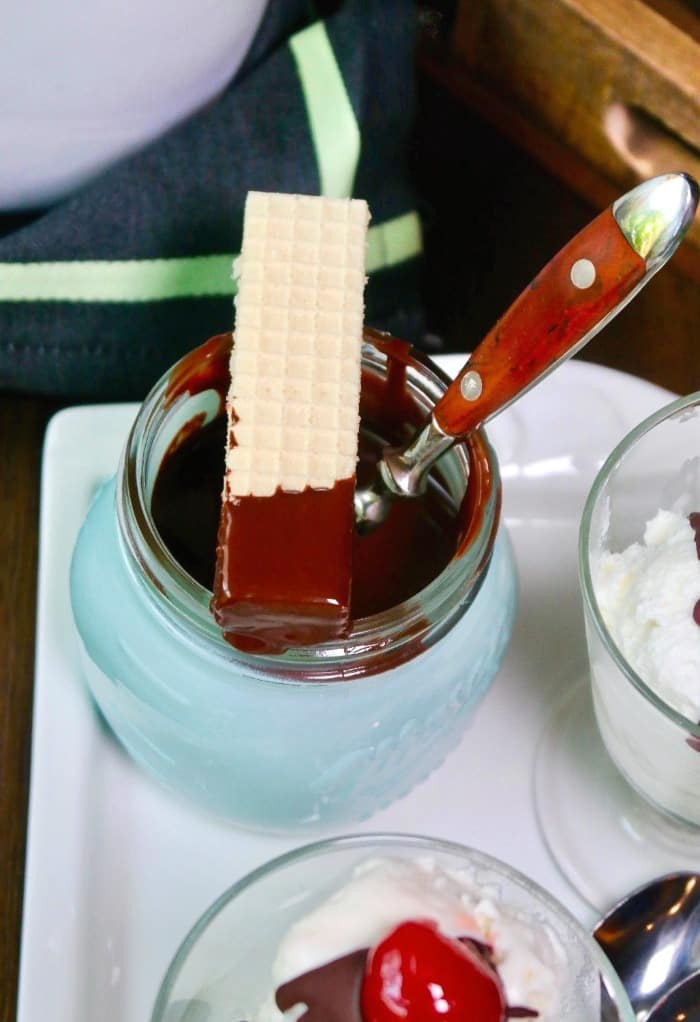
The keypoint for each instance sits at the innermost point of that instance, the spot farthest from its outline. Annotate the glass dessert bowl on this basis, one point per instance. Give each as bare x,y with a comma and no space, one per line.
318,734
620,759
301,921
637,558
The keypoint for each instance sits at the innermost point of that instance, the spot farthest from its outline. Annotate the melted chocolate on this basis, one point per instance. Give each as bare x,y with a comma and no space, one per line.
389,565
204,368
694,520
331,993
186,501
266,600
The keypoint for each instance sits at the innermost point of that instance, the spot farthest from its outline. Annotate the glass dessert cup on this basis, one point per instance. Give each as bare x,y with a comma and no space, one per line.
316,735
222,969
618,770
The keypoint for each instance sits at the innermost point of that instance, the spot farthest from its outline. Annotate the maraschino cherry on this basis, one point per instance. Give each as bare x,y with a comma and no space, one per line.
417,974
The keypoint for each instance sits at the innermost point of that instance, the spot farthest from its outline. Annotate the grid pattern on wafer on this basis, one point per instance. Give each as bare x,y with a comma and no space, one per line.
295,366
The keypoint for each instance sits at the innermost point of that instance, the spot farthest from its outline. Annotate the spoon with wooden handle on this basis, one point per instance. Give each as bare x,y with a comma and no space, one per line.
576,294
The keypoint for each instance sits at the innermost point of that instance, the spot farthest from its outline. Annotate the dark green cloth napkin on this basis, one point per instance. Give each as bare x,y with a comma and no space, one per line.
101,293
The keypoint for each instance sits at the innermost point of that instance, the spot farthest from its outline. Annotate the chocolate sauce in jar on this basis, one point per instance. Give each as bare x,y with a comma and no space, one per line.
186,501
392,563
389,565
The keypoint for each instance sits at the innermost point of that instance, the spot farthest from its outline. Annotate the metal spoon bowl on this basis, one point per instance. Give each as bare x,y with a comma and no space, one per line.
681,1004
652,938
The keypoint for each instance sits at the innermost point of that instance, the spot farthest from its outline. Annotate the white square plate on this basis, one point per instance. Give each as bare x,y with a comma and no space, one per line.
118,869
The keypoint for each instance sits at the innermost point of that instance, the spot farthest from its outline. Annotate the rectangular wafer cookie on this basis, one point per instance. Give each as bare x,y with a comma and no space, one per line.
285,540
295,365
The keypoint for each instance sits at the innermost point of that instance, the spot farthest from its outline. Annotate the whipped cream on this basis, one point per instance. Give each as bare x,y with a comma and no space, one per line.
647,595
382,893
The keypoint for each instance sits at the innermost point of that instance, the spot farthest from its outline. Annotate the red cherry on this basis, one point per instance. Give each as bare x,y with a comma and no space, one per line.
417,974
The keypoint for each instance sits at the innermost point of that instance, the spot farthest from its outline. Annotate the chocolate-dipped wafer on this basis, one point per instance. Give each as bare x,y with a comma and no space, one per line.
285,538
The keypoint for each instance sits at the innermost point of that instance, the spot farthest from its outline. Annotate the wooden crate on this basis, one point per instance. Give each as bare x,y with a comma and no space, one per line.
602,92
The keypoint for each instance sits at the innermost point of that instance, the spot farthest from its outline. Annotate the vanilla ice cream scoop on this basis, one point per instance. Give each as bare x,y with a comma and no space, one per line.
648,595
383,893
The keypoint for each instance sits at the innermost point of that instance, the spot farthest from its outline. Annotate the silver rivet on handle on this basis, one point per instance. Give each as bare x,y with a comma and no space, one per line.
471,385
582,274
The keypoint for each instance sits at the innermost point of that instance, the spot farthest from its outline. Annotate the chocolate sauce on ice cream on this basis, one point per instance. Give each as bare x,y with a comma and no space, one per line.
694,520
331,993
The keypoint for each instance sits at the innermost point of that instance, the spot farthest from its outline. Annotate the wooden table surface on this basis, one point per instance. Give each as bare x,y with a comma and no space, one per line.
492,218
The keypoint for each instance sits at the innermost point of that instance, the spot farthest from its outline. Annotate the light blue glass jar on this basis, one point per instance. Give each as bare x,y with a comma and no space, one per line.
318,735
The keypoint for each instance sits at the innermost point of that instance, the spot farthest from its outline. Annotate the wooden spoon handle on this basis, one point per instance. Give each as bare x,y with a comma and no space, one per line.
568,301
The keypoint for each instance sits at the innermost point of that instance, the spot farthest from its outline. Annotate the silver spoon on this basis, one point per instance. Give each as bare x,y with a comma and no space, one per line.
652,938
580,290
681,1004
